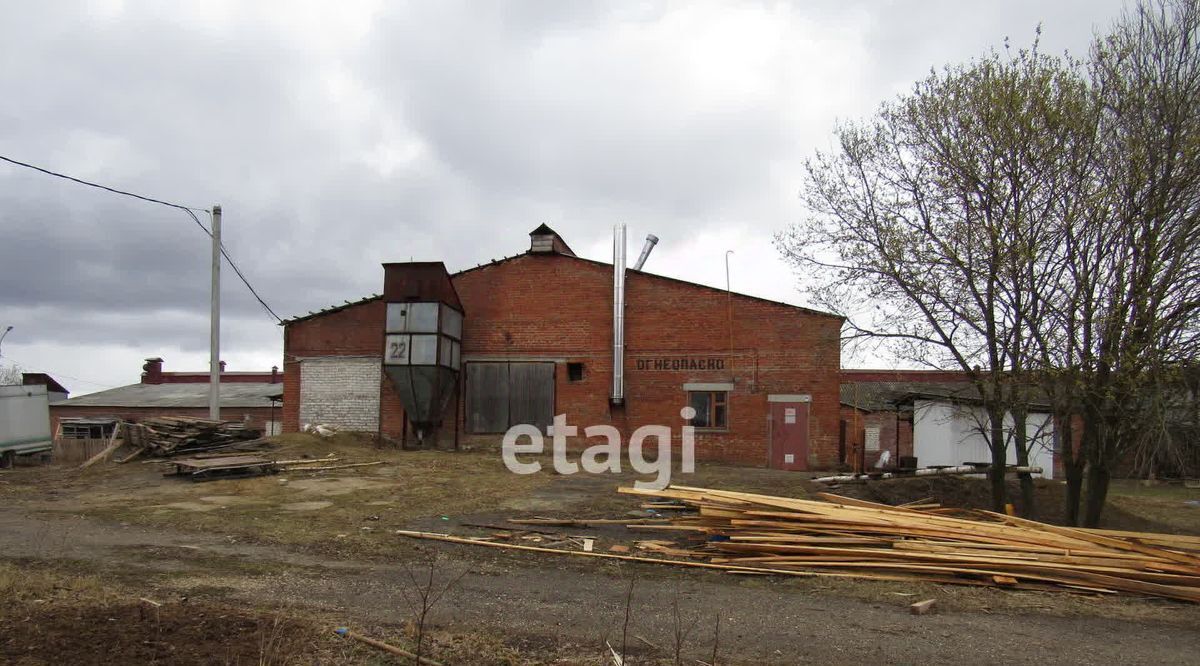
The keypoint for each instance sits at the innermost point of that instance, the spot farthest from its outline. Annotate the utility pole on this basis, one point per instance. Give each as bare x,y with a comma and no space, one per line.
729,303
214,343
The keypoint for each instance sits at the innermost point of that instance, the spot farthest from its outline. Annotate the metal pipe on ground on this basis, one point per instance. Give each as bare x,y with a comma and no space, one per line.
929,471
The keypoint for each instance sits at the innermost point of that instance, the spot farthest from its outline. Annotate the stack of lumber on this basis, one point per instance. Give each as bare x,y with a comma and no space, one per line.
854,538
166,436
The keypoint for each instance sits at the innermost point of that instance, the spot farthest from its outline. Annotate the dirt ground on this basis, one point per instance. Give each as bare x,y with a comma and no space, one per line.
1132,505
261,570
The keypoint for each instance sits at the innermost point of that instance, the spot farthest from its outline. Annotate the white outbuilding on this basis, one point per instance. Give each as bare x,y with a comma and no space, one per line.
948,432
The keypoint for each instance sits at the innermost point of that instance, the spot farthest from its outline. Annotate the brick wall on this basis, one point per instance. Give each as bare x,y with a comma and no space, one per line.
340,391
857,421
152,373
559,307
355,330
553,307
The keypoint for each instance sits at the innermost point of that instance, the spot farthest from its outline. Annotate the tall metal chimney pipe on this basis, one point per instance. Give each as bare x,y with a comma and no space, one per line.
651,241
618,387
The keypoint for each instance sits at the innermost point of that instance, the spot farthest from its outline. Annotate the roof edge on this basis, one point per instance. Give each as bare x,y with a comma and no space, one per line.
504,260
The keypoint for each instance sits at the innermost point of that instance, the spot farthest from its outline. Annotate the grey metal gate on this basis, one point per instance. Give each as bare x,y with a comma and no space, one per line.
502,394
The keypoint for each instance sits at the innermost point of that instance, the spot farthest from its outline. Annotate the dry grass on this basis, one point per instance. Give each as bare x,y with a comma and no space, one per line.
20,583
1161,503
53,614
339,511
64,608
991,600
420,488
325,509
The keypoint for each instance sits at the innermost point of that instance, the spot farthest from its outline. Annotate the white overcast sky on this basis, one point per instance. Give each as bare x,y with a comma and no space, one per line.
339,135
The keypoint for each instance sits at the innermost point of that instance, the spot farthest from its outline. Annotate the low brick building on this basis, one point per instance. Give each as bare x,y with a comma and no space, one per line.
252,397
532,336
873,418
932,416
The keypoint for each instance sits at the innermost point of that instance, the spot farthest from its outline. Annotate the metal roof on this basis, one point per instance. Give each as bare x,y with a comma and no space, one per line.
889,396
884,396
238,394
34,378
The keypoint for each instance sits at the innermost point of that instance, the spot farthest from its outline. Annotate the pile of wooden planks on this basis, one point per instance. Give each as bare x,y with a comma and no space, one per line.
165,436
854,538
221,467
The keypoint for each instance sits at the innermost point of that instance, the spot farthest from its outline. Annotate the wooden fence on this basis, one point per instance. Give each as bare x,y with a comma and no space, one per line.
75,451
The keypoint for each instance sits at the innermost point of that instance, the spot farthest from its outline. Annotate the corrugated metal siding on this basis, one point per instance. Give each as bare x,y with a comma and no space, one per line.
24,417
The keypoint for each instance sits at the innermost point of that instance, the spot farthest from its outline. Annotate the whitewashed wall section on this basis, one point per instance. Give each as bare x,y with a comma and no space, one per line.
340,391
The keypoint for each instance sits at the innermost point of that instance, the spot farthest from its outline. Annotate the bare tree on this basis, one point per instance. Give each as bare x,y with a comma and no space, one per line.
10,375
423,598
1035,223
928,223
625,624
1142,327
680,632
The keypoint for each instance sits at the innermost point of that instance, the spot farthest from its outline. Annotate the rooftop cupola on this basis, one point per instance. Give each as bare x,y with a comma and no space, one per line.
545,240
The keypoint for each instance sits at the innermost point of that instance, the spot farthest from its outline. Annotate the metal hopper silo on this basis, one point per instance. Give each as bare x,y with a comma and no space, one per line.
422,340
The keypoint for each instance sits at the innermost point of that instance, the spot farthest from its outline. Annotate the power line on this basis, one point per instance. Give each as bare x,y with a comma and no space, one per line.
191,211
101,187
235,268
24,368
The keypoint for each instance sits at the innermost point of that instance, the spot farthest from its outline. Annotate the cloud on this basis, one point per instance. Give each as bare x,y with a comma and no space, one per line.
340,136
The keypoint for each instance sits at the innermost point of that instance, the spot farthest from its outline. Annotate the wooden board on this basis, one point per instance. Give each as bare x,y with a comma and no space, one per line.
531,394
926,541
202,469
487,397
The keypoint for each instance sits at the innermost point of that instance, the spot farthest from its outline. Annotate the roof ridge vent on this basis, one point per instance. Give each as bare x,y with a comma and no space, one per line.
545,240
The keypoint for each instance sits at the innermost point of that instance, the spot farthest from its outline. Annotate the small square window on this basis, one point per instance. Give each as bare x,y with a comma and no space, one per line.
712,410
575,372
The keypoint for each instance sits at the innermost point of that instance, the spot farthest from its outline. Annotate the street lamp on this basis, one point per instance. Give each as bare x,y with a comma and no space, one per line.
6,330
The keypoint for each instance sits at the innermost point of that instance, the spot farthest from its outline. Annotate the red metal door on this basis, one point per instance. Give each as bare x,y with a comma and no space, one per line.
789,435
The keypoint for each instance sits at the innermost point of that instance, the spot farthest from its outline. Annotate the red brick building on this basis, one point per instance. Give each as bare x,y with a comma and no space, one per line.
252,397
536,339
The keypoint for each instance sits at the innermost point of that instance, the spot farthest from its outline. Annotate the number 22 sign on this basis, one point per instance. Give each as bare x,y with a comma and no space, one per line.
396,352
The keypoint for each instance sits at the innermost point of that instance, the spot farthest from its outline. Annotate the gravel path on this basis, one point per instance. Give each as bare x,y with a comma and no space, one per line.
548,601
